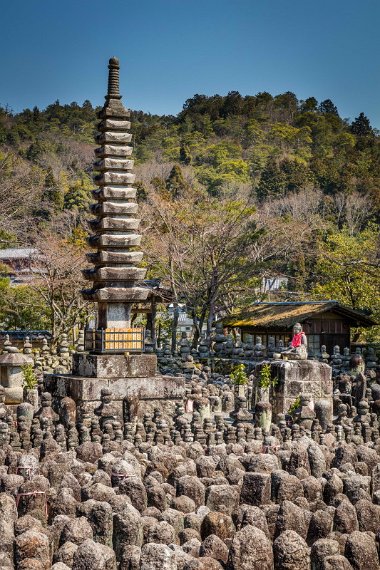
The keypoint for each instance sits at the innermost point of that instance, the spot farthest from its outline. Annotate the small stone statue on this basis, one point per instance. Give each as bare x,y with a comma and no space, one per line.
298,346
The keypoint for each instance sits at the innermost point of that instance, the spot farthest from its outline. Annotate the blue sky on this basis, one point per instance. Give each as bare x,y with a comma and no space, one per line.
171,49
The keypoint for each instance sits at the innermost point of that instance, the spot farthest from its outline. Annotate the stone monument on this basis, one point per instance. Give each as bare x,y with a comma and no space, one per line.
116,275
114,357
294,377
298,346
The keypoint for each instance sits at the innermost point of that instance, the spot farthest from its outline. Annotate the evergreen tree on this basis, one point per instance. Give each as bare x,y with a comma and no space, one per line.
309,105
78,197
361,126
233,104
175,182
52,191
272,182
184,154
328,107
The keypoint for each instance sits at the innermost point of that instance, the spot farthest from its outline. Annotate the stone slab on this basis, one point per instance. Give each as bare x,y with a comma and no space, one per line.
89,389
115,365
116,294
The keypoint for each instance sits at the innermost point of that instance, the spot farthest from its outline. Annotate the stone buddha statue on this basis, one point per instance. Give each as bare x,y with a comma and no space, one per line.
298,347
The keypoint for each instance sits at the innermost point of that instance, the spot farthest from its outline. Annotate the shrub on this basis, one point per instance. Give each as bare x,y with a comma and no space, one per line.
266,380
30,379
238,375
295,406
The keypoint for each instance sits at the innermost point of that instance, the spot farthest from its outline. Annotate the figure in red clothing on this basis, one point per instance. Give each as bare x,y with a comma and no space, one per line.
298,346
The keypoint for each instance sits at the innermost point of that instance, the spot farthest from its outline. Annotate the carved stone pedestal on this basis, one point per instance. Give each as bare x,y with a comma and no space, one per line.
136,386
293,378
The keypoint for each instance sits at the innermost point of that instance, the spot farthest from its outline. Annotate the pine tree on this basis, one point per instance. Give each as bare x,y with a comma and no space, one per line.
361,126
184,154
328,107
175,182
52,191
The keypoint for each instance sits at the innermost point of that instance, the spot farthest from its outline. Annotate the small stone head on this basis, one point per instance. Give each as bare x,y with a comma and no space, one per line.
46,399
297,328
356,361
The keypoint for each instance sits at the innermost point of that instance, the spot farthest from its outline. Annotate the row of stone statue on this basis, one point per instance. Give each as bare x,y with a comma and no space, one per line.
214,411
49,359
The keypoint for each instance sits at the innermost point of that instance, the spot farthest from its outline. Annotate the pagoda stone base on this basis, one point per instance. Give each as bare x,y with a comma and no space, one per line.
115,365
298,377
136,387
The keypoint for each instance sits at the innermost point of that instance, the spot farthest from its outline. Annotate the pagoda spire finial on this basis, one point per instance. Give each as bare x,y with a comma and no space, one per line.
113,79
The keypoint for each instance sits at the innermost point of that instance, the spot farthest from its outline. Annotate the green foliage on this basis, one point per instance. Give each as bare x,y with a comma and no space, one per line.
238,375
175,183
299,162
347,270
22,308
328,107
29,378
78,196
266,380
295,406
361,126
53,191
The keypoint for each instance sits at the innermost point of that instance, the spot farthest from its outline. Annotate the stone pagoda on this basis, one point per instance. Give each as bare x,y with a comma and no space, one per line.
116,275
114,364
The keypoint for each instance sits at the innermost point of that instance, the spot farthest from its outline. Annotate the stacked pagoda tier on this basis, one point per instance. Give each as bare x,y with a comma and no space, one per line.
116,276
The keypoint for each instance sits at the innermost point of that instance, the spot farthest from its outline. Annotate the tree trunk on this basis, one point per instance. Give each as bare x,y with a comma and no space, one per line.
198,324
153,324
197,333
212,296
174,327
210,319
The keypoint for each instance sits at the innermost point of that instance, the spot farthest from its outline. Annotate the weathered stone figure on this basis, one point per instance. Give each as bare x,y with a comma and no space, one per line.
298,346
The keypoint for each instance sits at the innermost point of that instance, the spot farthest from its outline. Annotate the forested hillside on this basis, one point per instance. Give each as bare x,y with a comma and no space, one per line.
232,189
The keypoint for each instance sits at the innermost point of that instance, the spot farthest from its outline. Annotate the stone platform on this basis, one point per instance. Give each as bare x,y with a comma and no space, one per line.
297,377
136,386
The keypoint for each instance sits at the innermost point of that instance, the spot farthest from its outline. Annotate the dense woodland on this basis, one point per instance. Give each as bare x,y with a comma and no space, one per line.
231,190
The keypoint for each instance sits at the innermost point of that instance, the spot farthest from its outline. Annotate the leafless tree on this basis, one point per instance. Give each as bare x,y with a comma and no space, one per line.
58,281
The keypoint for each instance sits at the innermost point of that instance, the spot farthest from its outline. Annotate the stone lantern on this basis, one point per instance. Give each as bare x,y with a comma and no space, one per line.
11,376
117,279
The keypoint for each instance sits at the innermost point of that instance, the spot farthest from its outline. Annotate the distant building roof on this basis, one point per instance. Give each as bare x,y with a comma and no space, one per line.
18,252
284,315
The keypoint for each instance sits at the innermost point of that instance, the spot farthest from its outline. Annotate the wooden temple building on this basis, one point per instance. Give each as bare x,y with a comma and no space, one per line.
325,322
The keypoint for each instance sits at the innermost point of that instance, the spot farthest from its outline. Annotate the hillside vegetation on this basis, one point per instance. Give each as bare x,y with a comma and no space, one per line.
232,189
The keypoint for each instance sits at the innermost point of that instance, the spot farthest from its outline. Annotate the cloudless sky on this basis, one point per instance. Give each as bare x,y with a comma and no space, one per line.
171,49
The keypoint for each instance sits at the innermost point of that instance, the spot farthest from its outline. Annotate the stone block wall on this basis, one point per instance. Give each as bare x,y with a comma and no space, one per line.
297,377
